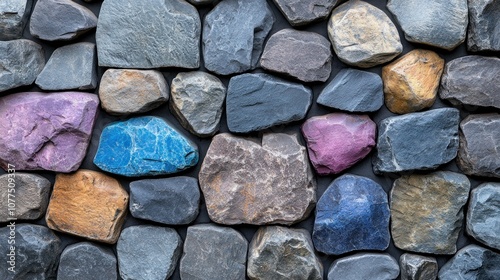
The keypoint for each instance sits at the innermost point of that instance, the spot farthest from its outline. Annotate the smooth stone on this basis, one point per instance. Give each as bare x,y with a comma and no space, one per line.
363,35
129,91
483,217
14,15
484,29
303,55
258,101
364,266
87,261
354,91
300,13
233,35
352,215
254,181
416,267
283,253
148,252
197,102
46,131
417,141
427,211
472,263
207,246
439,23
411,82
173,31
144,146
148,199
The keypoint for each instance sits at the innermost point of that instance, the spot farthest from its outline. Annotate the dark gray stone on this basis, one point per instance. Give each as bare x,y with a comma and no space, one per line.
483,217
364,266
233,35
416,267
417,141
87,261
201,2
299,12
14,15
484,26
472,263
259,101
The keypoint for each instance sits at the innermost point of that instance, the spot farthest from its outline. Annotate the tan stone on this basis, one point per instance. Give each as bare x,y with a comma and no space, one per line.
411,82
88,204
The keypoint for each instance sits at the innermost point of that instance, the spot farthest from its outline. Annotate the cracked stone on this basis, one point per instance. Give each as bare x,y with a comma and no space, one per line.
483,34
471,263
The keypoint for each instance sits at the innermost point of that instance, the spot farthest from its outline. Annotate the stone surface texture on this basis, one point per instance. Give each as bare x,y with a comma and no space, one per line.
300,13
416,267
483,217
364,266
484,32
87,261
471,263
14,15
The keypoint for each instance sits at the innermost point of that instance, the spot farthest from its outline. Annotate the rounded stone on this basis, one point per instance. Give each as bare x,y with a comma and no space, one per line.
364,266
87,261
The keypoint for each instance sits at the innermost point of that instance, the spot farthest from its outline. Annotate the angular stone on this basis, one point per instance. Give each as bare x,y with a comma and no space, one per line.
173,31
54,20
417,141
303,55
128,91
88,204
427,211
46,131
354,91
300,13
337,141
362,35
483,33
411,82
197,101
14,15
148,252
483,217
86,260
233,35
259,101
255,181
470,263
208,246
283,253
440,23
416,267
364,266
144,146
352,215
148,199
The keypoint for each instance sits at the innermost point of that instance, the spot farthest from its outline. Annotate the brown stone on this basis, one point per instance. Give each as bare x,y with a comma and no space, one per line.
88,204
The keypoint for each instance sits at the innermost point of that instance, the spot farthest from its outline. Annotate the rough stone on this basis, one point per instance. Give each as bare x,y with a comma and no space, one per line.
253,181
483,33
471,263
364,266
416,267
300,13
483,217
14,15
46,131
87,261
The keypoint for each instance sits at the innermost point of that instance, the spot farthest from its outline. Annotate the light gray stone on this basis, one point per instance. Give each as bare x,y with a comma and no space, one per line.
14,15
364,266
484,26
299,12
483,217
472,263
416,267
87,261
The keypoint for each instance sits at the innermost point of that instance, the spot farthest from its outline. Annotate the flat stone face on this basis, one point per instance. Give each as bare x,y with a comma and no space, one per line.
173,31
233,35
417,141
300,13
14,15
208,246
411,82
87,261
88,204
303,55
337,141
483,33
144,146
362,35
283,253
256,182
364,266
416,267
258,101
352,215
440,23
470,263
46,131
427,211
483,217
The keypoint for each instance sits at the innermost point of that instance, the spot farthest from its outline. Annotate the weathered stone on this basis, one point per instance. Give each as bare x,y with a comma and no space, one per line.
250,181
362,35
283,253
483,33
197,101
417,141
303,55
148,199
148,34
128,91
411,82
483,217
14,15
259,101
233,35
148,252
364,266
87,261
304,12
46,131
416,267
440,23
88,204
427,211
208,246
471,263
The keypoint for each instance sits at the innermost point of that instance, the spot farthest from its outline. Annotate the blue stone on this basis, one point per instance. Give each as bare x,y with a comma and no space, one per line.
352,214
144,146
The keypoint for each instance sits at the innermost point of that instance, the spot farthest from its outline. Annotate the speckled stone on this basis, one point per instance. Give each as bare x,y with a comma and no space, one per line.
416,267
472,263
299,12
86,260
14,15
483,217
364,266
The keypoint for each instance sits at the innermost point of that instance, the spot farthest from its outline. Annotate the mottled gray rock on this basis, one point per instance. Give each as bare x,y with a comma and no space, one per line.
87,261
233,35
14,15
483,217
364,266
416,267
472,263
299,12
148,34
484,27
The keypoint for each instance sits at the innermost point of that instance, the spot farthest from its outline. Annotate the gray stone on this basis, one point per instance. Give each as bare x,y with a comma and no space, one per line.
472,263
258,101
364,266
148,34
483,217
484,27
303,55
417,141
197,101
416,267
233,35
213,252
14,15
148,252
299,12
87,261
283,253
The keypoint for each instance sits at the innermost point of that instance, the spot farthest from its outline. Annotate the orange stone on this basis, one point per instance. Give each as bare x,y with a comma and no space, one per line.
88,204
